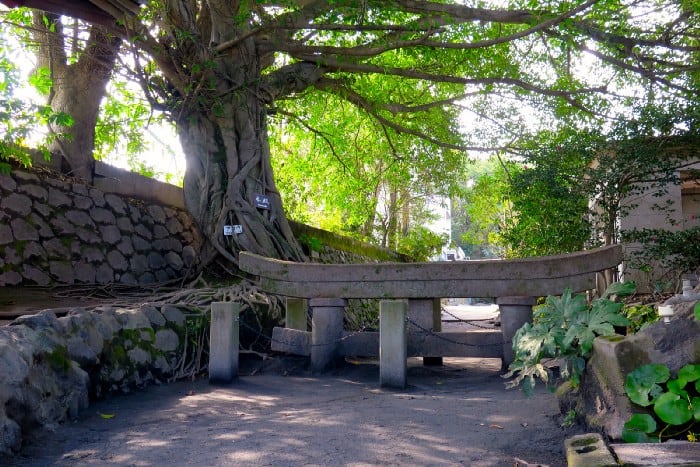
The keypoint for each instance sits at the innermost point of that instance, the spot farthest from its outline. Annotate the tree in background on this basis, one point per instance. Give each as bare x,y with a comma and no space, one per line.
78,64
571,187
366,182
219,67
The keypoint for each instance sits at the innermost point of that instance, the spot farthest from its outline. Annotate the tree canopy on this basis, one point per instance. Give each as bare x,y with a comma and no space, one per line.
220,69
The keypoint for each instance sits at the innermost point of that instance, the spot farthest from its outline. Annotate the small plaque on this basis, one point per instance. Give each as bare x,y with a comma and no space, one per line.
262,202
238,229
228,230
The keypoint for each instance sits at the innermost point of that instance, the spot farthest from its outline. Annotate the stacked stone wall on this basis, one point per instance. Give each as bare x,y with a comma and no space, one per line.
51,366
61,231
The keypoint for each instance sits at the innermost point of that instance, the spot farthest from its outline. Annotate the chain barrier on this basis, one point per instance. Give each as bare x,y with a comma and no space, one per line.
277,341
452,341
349,335
471,322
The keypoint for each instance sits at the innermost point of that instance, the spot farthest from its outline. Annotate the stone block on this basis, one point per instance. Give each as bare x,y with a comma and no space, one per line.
35,275
7,183
125,246
82,202
174,261
157,213
84,272
80,219
144,231
117,261
103,216
58,198
393,343
167,340
224,342
155,260
588,450
104,274
125,225
5,234
22,230
153,315
173,314
42,227
62,272
140,244
16,203
116,203
35,191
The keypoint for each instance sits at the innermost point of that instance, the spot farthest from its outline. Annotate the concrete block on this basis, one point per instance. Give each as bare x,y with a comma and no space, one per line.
224,342
393,343
291,341
587,451
515,312
295,316
326,331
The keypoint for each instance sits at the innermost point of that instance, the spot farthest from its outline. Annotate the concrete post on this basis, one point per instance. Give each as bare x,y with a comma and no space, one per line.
295,316
223,343
326,331
425,313
392,343
515,311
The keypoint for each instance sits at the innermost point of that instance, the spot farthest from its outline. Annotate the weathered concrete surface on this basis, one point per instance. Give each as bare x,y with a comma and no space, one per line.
484,278
667,454
588,450
392,343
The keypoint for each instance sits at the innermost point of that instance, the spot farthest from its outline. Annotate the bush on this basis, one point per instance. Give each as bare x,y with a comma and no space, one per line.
564,329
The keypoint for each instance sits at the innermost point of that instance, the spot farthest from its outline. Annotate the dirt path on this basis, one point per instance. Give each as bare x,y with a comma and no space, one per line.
458,414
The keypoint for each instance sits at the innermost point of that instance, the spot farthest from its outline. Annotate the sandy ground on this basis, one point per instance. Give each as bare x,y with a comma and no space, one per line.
276,413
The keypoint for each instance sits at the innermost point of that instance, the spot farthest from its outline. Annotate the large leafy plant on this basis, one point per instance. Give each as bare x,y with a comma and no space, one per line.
675,403
563,329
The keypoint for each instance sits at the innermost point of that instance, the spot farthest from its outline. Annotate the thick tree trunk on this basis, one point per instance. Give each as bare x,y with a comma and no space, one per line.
229,181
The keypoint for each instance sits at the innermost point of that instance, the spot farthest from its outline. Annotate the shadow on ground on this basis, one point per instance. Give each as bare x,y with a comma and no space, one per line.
277,413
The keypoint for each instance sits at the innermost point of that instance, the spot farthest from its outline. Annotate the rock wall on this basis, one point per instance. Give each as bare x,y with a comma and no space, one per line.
52,366
60,231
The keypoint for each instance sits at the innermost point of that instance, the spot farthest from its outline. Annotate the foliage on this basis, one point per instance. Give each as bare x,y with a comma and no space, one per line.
20,119
408,69
421,243
678,251
372,186
571,186
639,316
478,215
675,403
564,328
549,210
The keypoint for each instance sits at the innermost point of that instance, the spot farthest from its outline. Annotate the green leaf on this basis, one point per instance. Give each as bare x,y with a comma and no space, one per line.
641,385
676,386
695,402
638,427
672,409
690,372
621,289
41,80
696,310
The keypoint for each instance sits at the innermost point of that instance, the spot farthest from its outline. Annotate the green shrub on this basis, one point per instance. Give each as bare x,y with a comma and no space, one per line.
675,404
564,329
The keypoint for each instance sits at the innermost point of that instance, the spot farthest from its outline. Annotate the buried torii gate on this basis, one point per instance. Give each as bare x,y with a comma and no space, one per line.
411,292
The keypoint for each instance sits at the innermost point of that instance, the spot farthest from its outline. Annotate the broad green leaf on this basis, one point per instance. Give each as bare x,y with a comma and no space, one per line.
695,402
638,427
621,289
696,310
673,409
641,385
677,386
690,372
